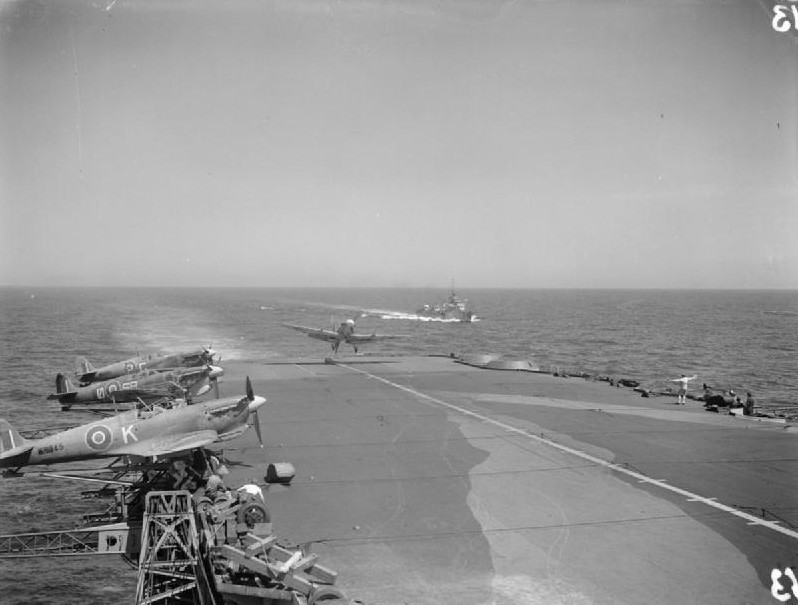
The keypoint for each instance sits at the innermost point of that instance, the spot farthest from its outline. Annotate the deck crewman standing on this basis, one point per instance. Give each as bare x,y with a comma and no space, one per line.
748,408
682,397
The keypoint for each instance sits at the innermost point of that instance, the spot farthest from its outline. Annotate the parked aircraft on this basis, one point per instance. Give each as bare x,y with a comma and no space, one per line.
146,386
345,332
86,373
144,433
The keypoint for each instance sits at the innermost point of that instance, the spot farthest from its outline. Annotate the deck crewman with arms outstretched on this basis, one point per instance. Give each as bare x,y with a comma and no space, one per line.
682,397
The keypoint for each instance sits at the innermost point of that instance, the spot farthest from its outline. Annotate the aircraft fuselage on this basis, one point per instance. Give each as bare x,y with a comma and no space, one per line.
130,387
146,362
115,436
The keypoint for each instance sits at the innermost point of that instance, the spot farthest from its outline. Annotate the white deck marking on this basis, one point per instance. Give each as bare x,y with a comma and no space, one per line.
305,370
690,496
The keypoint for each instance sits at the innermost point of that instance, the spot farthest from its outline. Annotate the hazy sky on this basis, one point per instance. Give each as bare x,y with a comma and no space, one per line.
594,143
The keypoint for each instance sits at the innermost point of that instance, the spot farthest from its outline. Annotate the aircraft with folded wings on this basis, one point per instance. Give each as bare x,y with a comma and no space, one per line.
146,386
86,373
137,433
344,333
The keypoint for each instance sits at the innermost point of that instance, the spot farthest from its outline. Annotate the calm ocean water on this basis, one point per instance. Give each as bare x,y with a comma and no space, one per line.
745,340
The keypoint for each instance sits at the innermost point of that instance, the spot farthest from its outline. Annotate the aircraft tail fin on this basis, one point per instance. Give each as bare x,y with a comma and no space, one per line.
83,368
9,437
63,385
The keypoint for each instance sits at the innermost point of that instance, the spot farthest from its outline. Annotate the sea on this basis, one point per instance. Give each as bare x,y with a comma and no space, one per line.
740,340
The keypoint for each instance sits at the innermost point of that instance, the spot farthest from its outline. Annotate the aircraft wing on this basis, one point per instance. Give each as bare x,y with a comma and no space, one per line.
236,432
316,333
168,444
371,337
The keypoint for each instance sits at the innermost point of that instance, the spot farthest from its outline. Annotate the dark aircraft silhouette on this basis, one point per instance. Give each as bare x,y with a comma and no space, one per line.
86,373
148,385
144,433
344,333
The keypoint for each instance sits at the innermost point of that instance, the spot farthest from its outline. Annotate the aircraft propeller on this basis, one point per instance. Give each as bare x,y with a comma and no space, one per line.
254,404
212,379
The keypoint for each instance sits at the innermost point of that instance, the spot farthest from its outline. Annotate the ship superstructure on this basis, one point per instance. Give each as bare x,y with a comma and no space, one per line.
454,307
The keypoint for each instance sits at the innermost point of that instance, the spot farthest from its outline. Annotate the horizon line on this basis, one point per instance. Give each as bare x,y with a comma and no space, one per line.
210,287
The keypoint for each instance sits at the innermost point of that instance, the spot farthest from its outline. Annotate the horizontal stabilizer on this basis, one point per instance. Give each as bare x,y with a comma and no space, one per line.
15,458
64,389
11,440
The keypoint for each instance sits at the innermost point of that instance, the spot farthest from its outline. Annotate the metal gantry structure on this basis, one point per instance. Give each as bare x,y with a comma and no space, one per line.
100,540
170,567
193,550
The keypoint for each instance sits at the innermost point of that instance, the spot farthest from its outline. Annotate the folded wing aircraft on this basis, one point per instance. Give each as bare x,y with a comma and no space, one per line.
147,385
85,372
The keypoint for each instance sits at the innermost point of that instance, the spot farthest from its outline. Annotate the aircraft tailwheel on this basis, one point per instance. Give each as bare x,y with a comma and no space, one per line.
326,593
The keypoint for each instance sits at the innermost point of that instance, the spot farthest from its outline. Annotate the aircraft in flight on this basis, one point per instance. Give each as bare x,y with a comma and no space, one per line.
86,373
143,433
147,385
344,333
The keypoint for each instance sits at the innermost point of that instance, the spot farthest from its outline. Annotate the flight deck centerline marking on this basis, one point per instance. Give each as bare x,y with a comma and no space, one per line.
752,520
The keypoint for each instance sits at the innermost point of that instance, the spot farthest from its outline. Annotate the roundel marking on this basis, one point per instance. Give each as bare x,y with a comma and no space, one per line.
113,386
99,437
129,367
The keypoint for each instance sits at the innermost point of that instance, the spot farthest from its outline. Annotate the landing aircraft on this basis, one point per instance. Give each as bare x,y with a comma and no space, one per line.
146,386
345,332
86,373
150,433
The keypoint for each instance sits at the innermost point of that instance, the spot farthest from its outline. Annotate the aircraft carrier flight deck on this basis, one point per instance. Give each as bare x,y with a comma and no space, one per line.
423,480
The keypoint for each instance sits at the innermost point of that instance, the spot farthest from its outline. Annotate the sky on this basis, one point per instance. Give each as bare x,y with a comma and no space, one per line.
404,143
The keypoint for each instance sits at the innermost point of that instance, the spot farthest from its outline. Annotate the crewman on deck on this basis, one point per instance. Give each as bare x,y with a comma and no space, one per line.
748,408
682,396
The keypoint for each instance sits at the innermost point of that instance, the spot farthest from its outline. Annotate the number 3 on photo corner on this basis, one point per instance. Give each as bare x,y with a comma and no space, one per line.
781,17
778,589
